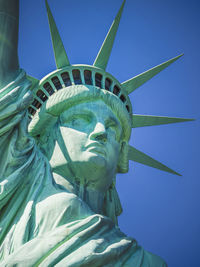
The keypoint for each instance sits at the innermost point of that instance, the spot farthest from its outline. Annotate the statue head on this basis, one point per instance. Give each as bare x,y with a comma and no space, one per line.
84,114
88,144
74,99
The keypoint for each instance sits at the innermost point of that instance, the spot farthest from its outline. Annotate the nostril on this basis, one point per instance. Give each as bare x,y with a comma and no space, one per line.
101,137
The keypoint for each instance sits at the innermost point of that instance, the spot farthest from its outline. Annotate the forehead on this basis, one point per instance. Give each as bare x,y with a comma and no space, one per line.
96,108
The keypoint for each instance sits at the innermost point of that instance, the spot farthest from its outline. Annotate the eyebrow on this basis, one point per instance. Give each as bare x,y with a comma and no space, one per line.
66,116
85,111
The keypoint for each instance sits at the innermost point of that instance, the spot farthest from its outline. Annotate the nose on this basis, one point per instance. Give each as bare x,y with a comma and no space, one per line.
99,133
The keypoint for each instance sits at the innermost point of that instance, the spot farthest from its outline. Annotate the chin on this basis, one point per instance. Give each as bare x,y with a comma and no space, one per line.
97,160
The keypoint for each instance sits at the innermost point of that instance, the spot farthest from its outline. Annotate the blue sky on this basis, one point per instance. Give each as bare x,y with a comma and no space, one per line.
161,210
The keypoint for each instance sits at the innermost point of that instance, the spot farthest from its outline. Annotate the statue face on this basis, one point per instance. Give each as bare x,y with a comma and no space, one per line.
91,133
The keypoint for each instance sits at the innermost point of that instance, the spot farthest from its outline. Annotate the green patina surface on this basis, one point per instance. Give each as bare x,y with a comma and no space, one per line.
58,201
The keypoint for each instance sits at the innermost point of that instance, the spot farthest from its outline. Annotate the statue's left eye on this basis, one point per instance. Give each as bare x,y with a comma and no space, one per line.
113,127
111,124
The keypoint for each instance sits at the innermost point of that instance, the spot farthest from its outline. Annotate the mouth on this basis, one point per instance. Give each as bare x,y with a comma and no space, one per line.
97,148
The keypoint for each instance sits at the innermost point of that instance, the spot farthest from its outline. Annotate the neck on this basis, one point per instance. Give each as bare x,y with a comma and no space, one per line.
93,197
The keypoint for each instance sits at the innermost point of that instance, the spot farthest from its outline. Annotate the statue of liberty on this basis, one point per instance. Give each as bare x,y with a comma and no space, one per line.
62,141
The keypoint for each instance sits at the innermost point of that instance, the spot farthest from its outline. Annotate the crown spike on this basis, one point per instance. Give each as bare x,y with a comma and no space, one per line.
140,157
102,58
59,50
147,120
135,82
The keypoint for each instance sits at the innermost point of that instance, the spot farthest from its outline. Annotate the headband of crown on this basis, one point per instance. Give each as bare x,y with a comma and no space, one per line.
68,75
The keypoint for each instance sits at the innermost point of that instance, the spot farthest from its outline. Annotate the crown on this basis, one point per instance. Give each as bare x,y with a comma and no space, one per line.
76,75
66,76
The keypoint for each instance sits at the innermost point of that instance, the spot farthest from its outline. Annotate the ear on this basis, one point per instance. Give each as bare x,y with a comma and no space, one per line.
123,162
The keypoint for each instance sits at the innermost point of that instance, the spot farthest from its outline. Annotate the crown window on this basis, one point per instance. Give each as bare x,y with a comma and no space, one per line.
36,104
107,84
77,76
48,88
66,79
116,90
88,77
122,97
98,79
31,111
41,95
127,107
56,83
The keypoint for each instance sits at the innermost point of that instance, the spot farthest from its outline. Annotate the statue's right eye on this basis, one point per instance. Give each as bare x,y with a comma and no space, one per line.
80,121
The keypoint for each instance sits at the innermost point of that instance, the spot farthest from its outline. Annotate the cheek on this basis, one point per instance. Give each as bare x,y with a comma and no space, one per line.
114,150
74,140
114,134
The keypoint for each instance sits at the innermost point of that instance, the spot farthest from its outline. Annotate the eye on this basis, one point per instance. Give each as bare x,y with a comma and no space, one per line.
78,121
114,128
111,124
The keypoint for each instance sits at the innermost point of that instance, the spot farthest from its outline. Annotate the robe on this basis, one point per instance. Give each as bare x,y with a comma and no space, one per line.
42,224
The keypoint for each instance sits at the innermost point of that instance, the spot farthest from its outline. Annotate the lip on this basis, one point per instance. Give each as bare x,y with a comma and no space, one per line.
96,147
